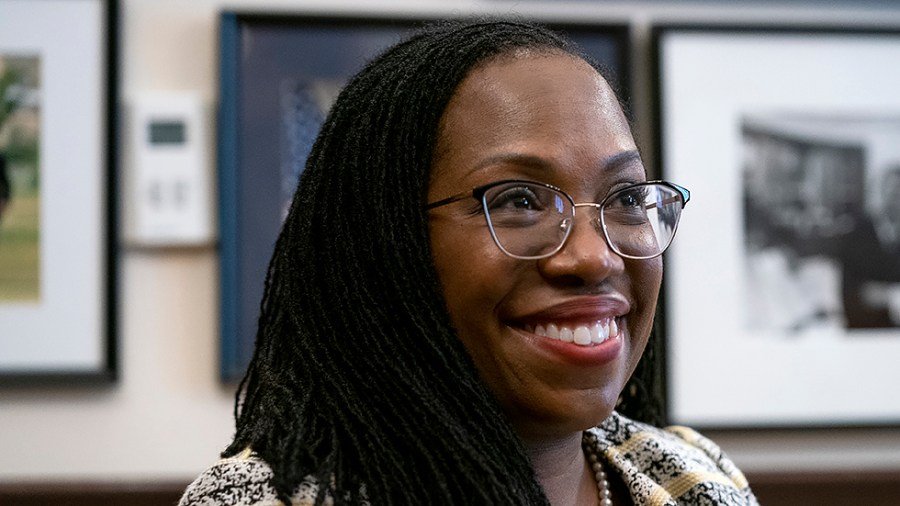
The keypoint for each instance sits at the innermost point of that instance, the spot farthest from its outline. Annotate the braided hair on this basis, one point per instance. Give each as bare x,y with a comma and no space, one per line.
358,379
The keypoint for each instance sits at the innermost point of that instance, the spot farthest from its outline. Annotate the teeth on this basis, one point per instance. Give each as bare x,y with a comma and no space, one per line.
582,335
599,333
552,331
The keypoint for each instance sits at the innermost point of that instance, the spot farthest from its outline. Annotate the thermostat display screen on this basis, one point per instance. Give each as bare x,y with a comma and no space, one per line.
167,132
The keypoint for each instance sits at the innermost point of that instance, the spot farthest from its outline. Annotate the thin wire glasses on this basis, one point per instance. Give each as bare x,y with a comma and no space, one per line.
530,220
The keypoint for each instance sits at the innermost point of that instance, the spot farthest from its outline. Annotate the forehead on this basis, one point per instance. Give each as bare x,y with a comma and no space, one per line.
516,79
550,105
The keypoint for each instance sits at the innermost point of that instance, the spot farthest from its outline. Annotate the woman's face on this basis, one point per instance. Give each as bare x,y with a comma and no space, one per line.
552,119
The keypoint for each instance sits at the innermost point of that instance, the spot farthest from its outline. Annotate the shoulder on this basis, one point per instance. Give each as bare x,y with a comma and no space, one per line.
242,480
673,465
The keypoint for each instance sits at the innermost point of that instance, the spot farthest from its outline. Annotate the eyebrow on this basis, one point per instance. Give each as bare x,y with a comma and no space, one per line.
613,162
622,159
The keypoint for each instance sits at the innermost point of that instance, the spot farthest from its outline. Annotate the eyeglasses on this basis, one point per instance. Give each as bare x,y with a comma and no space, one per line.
530,220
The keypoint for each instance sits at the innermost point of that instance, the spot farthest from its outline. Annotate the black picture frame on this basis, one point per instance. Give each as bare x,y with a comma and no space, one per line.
64,331
260,52
782,134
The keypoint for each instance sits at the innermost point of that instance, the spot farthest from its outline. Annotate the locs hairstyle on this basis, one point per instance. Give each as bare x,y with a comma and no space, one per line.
358,378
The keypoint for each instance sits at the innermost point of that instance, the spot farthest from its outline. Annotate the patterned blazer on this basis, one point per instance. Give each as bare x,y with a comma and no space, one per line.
660,467
671,466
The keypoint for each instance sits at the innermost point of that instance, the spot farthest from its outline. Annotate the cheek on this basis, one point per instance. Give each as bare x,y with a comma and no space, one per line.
647,279
474,274
461,263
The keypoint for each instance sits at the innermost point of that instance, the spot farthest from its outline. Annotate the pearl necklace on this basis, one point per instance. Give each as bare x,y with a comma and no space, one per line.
591,449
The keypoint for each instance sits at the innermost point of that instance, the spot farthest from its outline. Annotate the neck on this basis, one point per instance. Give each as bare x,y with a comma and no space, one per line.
562,470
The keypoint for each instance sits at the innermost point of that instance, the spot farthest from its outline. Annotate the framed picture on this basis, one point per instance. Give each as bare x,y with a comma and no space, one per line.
279,76
783,287
57,190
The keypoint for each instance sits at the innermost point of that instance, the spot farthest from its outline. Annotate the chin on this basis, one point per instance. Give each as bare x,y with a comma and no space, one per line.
567,418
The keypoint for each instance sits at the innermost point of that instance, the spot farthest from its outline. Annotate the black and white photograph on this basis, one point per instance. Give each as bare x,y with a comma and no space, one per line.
821,221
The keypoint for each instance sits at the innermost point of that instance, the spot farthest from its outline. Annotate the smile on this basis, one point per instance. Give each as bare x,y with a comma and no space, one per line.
582,335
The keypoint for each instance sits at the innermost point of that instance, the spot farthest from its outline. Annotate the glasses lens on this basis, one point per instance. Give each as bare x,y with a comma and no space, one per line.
528,220
640,220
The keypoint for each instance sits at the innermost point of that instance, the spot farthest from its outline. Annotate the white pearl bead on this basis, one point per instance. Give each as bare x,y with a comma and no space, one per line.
589,443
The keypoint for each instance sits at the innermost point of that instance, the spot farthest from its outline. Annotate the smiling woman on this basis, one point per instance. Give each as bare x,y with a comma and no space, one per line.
462,294
555,111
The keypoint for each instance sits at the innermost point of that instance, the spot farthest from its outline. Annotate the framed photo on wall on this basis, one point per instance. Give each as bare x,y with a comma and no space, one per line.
783,288
279,76
58,62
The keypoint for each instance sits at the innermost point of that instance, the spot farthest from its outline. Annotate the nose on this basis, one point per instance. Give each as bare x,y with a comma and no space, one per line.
586,258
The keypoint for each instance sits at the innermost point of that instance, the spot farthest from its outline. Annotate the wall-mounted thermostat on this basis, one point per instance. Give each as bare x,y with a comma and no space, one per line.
169,197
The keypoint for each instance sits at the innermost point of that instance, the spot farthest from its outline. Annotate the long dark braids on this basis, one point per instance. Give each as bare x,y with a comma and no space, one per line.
358,378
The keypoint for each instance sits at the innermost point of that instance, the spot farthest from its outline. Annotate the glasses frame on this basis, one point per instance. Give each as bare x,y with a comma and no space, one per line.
479,192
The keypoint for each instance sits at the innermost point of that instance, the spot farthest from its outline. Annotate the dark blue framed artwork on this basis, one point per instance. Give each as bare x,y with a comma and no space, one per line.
278,75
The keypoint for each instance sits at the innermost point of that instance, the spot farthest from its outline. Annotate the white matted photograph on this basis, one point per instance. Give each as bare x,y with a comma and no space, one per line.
57,234
783,289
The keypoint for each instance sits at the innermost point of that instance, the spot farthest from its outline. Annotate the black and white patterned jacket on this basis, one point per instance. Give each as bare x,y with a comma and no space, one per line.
661,467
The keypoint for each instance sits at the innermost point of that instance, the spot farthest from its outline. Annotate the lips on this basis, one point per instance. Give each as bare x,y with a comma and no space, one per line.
584,334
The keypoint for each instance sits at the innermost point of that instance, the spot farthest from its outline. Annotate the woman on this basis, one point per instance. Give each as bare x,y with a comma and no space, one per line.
422,342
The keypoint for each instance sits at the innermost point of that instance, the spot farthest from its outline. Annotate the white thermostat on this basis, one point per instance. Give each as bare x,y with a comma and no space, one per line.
169,195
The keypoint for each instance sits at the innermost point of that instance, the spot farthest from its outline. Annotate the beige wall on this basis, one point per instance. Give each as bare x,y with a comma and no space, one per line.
168,416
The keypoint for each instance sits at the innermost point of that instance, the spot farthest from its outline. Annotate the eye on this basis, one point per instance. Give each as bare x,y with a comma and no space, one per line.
516,198
632,197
